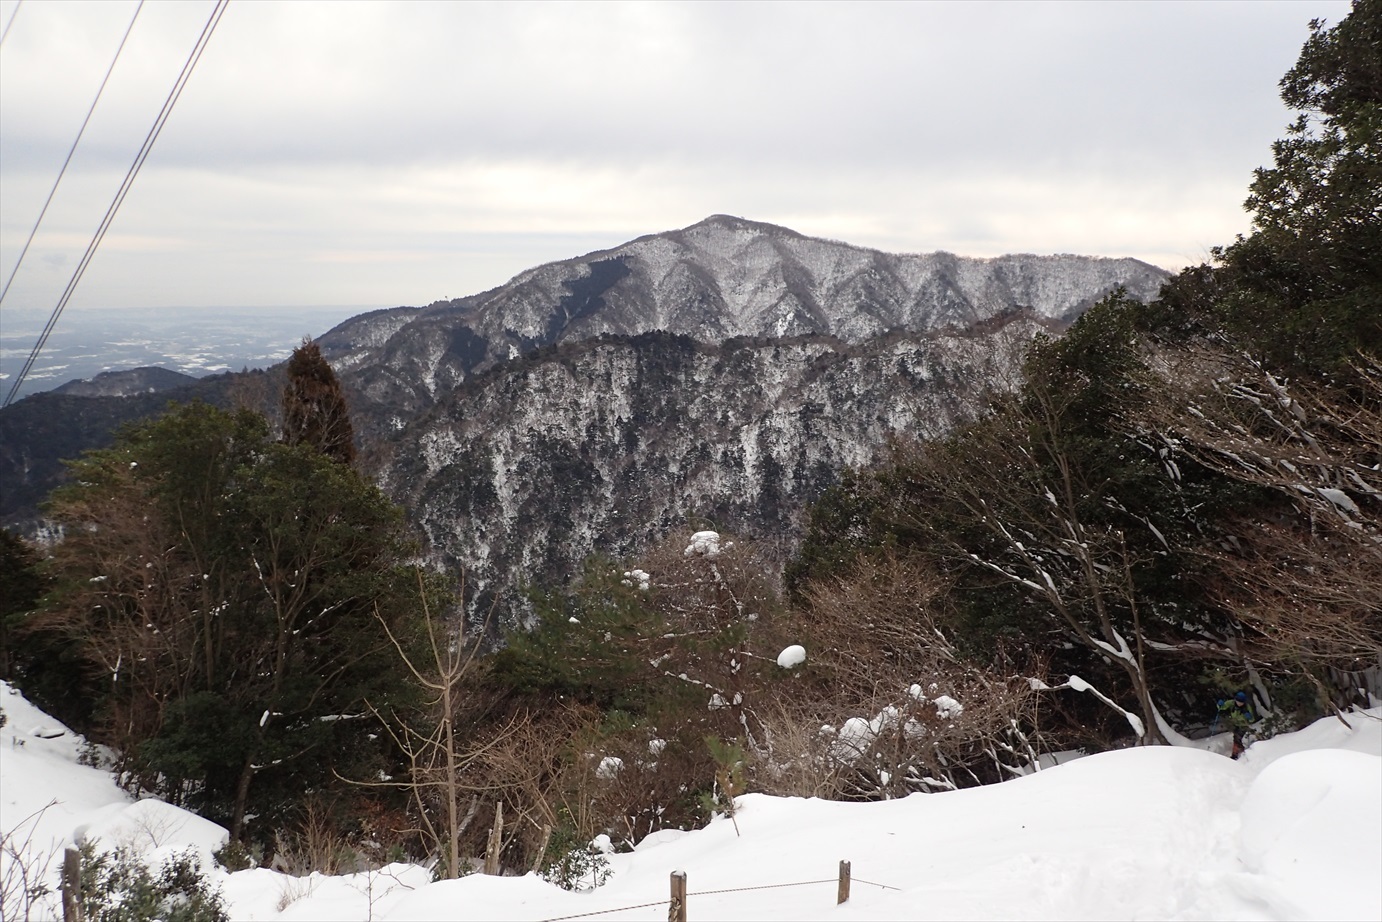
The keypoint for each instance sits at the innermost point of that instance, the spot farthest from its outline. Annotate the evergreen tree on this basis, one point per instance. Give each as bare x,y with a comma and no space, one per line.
1306,285
314,406
21,585
226,595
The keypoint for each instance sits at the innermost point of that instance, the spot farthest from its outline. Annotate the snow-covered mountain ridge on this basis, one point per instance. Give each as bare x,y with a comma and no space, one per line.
728,371
719,279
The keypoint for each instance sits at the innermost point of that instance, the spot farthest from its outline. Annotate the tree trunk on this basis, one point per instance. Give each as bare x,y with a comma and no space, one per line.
242,796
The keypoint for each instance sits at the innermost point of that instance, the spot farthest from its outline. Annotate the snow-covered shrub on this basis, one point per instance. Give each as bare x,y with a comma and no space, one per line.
117,886
573,863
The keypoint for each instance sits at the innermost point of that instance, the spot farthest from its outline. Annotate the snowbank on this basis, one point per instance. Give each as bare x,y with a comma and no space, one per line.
49,800
1289,831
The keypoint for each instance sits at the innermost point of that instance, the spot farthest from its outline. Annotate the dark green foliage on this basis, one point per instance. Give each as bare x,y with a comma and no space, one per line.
649,664
1305,288
224,593
118,887
314,406
21,586
572,862
590,645
200,748
842,524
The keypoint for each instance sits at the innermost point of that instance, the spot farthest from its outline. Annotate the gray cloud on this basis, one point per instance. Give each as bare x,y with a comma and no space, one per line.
396,153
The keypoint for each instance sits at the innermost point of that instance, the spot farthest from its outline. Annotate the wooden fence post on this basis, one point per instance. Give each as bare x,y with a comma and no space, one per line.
71,886
496,840
842,894
676,910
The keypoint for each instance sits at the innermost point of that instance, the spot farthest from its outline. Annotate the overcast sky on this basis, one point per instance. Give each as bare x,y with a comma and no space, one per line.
377,154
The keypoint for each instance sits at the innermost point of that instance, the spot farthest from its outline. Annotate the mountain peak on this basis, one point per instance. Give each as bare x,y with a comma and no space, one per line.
739,225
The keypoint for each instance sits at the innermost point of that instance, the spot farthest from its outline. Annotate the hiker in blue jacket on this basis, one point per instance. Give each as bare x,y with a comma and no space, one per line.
1237,713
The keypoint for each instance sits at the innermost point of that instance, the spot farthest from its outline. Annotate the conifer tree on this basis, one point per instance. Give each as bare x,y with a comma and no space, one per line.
314,406
1308,279
219,600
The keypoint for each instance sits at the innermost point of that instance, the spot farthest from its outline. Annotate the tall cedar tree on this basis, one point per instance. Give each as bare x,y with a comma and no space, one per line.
314,406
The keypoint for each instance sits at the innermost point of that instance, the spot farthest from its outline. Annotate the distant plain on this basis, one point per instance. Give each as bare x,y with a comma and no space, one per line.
87,342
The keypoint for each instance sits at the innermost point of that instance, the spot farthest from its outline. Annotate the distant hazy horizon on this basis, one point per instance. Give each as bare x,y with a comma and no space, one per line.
90,340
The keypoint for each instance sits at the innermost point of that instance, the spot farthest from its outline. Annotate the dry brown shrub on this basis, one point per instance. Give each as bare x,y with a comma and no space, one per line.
886,704
1305,581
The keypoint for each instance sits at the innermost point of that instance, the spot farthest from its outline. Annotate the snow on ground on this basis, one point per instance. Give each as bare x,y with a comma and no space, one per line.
1291,831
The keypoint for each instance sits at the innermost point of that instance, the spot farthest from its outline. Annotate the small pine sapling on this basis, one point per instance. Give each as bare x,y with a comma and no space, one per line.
729,778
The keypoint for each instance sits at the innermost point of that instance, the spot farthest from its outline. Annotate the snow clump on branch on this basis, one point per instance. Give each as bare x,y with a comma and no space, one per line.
792,656
704,544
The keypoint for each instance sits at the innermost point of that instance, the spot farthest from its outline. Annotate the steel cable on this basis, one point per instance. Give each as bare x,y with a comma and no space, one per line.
62,172
9,25
138,164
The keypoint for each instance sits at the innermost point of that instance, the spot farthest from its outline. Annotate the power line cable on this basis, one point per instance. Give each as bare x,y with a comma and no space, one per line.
13,16
70,152
138,164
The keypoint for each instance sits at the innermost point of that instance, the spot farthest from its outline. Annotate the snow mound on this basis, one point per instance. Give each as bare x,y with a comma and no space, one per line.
1311,824
609,768
154,830
639,578
947,708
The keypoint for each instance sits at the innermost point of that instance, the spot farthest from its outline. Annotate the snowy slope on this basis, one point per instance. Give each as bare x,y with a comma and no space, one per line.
1289,832
49,800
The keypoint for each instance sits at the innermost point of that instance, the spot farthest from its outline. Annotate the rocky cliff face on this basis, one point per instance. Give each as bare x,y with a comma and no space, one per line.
607,445
723,374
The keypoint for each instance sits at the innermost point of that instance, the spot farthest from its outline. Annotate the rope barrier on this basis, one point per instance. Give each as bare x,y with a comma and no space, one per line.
803,883
604,912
